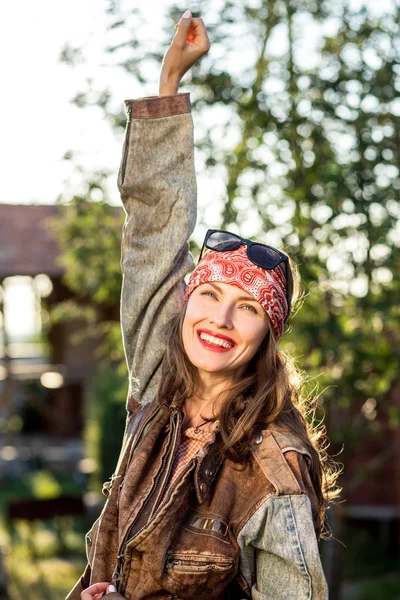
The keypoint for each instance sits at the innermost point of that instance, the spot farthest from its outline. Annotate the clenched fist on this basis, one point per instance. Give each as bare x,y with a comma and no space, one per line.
188,46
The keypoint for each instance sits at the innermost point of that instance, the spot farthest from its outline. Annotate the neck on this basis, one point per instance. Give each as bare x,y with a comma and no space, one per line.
212,385
206,401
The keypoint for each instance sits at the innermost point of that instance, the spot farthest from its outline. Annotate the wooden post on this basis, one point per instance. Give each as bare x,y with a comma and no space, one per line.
5,395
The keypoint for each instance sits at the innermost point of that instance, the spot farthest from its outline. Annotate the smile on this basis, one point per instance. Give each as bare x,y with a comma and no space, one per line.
211,342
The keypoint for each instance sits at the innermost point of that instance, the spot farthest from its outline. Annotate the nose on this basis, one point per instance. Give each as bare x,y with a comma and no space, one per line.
222,317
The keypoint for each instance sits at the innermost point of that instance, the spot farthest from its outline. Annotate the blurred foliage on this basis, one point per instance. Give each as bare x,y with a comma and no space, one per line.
89,231
108,405
368,551
34,566
45,485
386,589
42,579
39,484
34,569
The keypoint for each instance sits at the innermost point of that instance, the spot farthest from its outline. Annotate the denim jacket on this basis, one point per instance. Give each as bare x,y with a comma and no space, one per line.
223,532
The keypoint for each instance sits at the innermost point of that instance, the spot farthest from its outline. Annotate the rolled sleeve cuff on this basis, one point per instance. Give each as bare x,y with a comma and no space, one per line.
154,107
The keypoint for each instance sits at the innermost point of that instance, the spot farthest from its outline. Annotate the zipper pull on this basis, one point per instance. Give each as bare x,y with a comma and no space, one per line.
116,576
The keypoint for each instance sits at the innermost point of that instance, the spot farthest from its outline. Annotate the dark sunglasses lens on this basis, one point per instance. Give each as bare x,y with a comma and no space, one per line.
265,257
223,241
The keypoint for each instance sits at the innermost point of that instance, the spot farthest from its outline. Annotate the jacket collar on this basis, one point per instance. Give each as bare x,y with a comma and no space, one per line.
207,467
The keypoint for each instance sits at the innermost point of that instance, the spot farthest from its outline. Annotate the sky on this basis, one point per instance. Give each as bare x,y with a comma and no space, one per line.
38,123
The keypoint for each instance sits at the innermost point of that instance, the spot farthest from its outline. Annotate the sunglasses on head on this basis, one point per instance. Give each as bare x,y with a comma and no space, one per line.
261,255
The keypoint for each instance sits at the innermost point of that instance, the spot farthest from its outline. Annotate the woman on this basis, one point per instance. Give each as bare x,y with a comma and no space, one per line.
219,491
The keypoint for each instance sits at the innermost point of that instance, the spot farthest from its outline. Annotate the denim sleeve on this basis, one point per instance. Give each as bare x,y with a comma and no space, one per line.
279,551
157,185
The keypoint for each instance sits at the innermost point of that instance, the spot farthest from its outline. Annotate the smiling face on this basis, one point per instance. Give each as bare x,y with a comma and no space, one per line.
223,328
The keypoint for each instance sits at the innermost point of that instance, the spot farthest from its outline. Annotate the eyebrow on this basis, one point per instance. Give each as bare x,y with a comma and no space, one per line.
246,298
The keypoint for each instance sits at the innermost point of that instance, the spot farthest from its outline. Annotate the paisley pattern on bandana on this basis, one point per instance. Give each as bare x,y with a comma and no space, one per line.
234,267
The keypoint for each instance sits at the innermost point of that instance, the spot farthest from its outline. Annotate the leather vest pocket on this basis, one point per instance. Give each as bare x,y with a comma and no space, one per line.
184,563
189,575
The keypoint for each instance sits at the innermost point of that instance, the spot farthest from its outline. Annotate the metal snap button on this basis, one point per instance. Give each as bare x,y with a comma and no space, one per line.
203,487
208,473
88,539
259,439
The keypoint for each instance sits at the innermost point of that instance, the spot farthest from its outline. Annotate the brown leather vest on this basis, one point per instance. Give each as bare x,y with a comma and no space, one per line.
188,548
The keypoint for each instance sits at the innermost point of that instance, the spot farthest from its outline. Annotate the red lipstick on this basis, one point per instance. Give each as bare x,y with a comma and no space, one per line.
214,347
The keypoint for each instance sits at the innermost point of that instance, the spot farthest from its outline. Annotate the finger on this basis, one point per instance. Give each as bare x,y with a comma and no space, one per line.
200,32
197,36
93,590
183,27
111,589
194,21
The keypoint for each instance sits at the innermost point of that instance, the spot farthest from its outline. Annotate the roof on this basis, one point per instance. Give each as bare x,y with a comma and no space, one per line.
27,244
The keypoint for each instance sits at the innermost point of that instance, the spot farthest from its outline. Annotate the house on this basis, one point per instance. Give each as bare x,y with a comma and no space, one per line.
52,377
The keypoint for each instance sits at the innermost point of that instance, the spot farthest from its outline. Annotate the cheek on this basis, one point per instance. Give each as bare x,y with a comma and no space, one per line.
195,312
255,335
192,316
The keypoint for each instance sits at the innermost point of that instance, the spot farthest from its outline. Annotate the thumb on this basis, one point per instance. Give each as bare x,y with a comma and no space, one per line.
183,26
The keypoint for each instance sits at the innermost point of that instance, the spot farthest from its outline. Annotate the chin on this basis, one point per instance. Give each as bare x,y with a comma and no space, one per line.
208,364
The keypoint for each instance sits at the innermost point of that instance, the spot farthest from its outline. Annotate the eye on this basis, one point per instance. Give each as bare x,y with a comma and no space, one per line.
208,293
250,307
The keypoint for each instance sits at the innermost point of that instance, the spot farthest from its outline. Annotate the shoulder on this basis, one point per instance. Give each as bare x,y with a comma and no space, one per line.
285,461
282,456
139,413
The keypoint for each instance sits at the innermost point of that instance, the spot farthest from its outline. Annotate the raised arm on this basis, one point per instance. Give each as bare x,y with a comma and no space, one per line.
158,190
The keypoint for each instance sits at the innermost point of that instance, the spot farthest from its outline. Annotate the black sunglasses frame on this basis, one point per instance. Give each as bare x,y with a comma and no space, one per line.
284,259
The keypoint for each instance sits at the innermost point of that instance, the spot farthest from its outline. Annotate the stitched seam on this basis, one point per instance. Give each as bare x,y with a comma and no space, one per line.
251,513
303,563
288,448
289,469
159,516
270,479
171,113
150,107
214,537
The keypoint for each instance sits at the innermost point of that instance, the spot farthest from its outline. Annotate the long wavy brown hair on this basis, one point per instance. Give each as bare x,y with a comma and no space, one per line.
270,391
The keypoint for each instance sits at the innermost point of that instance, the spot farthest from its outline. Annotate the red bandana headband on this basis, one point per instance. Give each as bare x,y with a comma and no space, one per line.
268,287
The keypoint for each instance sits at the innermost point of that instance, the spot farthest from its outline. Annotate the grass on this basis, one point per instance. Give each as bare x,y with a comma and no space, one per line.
42,579
35,568
43,560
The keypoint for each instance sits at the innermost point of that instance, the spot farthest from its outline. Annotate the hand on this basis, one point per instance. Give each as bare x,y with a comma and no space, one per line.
97,590
188,46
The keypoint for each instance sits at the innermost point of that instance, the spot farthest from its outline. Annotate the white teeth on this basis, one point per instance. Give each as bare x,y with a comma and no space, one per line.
214,340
